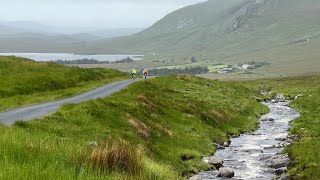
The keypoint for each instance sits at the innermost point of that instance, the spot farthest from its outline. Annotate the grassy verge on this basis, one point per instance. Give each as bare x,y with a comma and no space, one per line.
23,81
304,152
154,129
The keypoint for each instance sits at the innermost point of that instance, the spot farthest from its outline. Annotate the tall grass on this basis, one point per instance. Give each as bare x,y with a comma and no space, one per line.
117,155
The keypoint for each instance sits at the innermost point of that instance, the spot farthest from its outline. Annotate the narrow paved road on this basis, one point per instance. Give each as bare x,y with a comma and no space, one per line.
40,110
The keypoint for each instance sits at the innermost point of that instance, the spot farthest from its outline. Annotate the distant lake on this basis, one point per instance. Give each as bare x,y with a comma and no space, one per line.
65,56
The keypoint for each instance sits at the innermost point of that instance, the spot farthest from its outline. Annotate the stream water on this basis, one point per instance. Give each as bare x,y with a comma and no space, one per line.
249,155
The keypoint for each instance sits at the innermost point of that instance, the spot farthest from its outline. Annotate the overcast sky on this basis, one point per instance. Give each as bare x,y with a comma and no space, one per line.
92,13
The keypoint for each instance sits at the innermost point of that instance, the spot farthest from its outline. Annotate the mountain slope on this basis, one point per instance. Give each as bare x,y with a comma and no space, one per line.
224,31
25,36
200,26
180,29
286,33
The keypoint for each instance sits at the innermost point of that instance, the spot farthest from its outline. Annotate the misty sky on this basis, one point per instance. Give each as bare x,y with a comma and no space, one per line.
90,13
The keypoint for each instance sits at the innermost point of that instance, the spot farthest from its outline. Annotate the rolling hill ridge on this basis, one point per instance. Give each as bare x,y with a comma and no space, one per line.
275,31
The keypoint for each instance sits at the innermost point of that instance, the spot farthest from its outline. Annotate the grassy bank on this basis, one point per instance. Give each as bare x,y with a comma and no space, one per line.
304,152
154,129
23,81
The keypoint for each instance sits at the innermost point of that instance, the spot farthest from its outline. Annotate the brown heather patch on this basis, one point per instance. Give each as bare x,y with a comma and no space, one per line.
184,76
141,128
147,102
80,157
117,155
220,114
190,108
165,130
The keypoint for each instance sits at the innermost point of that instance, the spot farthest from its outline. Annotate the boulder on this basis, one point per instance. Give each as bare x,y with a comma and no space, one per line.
271,120
278,146
281,137
281,171
235,136
218,146
286,104
289,140
267,119
278,161
255,134
205,159
216,161
226,172
226,144
253,151
268,147
205,175
281,145
264,157
280,98
196,177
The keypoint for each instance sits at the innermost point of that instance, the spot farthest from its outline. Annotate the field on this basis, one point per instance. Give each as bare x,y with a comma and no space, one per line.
155,129
161,127
23,81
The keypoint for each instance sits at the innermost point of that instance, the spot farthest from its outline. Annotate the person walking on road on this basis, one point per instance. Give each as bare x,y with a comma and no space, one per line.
145,73
133,73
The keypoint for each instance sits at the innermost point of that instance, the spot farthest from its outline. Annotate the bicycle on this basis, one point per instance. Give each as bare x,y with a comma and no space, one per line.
145,75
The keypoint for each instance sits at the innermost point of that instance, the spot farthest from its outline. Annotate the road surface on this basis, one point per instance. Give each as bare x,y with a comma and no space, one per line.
36,111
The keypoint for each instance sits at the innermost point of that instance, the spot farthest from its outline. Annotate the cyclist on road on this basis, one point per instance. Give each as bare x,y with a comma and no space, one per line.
133,73
145,73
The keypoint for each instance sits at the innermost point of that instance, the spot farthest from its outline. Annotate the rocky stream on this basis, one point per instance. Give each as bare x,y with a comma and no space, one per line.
255,155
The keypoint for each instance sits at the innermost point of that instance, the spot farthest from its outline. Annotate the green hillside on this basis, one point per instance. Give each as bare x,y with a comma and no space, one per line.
283,32
23,81
190,27
155,129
